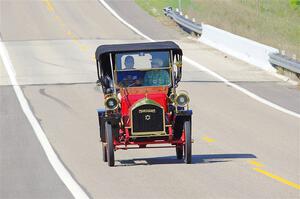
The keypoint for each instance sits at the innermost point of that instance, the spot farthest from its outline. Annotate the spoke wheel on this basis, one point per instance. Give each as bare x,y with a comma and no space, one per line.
179,152
188,142
104,153
109,145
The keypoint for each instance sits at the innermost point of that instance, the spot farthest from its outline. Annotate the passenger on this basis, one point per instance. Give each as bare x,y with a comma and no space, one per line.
156,77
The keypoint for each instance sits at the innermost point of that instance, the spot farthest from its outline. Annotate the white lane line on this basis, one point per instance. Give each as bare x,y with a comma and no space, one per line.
124,21
201,67
62,172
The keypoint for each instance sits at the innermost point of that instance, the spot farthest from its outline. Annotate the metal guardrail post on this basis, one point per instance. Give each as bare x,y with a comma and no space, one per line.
183,21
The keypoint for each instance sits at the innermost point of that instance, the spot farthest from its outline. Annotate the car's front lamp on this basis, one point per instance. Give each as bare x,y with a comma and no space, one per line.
182,99
111,102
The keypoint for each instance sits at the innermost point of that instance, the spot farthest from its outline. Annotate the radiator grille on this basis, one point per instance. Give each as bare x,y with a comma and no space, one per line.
148,118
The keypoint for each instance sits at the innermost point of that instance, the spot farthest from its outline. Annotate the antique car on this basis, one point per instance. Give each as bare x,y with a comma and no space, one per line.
142,108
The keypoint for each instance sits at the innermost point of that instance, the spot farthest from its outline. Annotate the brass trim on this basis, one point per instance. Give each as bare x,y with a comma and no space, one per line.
149,135
107,97
162,68
145,101
188,100
154,133
172,97
115,71
178,64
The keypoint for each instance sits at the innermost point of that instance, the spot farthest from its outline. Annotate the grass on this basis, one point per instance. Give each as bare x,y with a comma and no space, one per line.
272,22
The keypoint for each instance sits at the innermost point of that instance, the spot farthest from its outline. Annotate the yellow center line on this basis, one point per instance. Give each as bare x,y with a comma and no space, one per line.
83,47
73,37
69,33
255,163
208,139
49,5
60,21
278,178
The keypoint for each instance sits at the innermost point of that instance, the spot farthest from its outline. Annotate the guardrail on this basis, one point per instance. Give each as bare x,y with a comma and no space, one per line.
183,21
285,62
275,59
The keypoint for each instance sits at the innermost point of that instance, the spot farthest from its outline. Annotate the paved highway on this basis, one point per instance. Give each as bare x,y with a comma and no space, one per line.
243,148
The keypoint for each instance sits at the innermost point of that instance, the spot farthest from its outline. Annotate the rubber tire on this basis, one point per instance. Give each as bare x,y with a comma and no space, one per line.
179,152
104,153
188,143
110,152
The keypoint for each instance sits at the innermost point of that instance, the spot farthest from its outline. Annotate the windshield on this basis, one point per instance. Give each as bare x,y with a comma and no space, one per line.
143,69
142,60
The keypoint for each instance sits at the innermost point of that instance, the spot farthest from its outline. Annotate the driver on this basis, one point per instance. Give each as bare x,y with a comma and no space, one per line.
131,79
156,77
129,62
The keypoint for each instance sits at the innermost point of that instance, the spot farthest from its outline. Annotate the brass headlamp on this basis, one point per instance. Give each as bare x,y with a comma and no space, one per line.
182,99
111,102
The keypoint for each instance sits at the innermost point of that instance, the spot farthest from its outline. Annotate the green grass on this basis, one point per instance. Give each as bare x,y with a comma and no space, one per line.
272,22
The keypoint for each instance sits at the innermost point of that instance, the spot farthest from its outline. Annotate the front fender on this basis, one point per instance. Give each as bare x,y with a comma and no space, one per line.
179,118
113,119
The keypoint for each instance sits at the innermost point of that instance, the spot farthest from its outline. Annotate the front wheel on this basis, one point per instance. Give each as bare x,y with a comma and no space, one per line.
188,142
109,145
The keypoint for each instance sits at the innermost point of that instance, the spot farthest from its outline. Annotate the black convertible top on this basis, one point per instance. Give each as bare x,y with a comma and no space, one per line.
149,46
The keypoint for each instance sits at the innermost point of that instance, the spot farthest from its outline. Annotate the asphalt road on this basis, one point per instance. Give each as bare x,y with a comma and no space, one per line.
24,169
242,149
